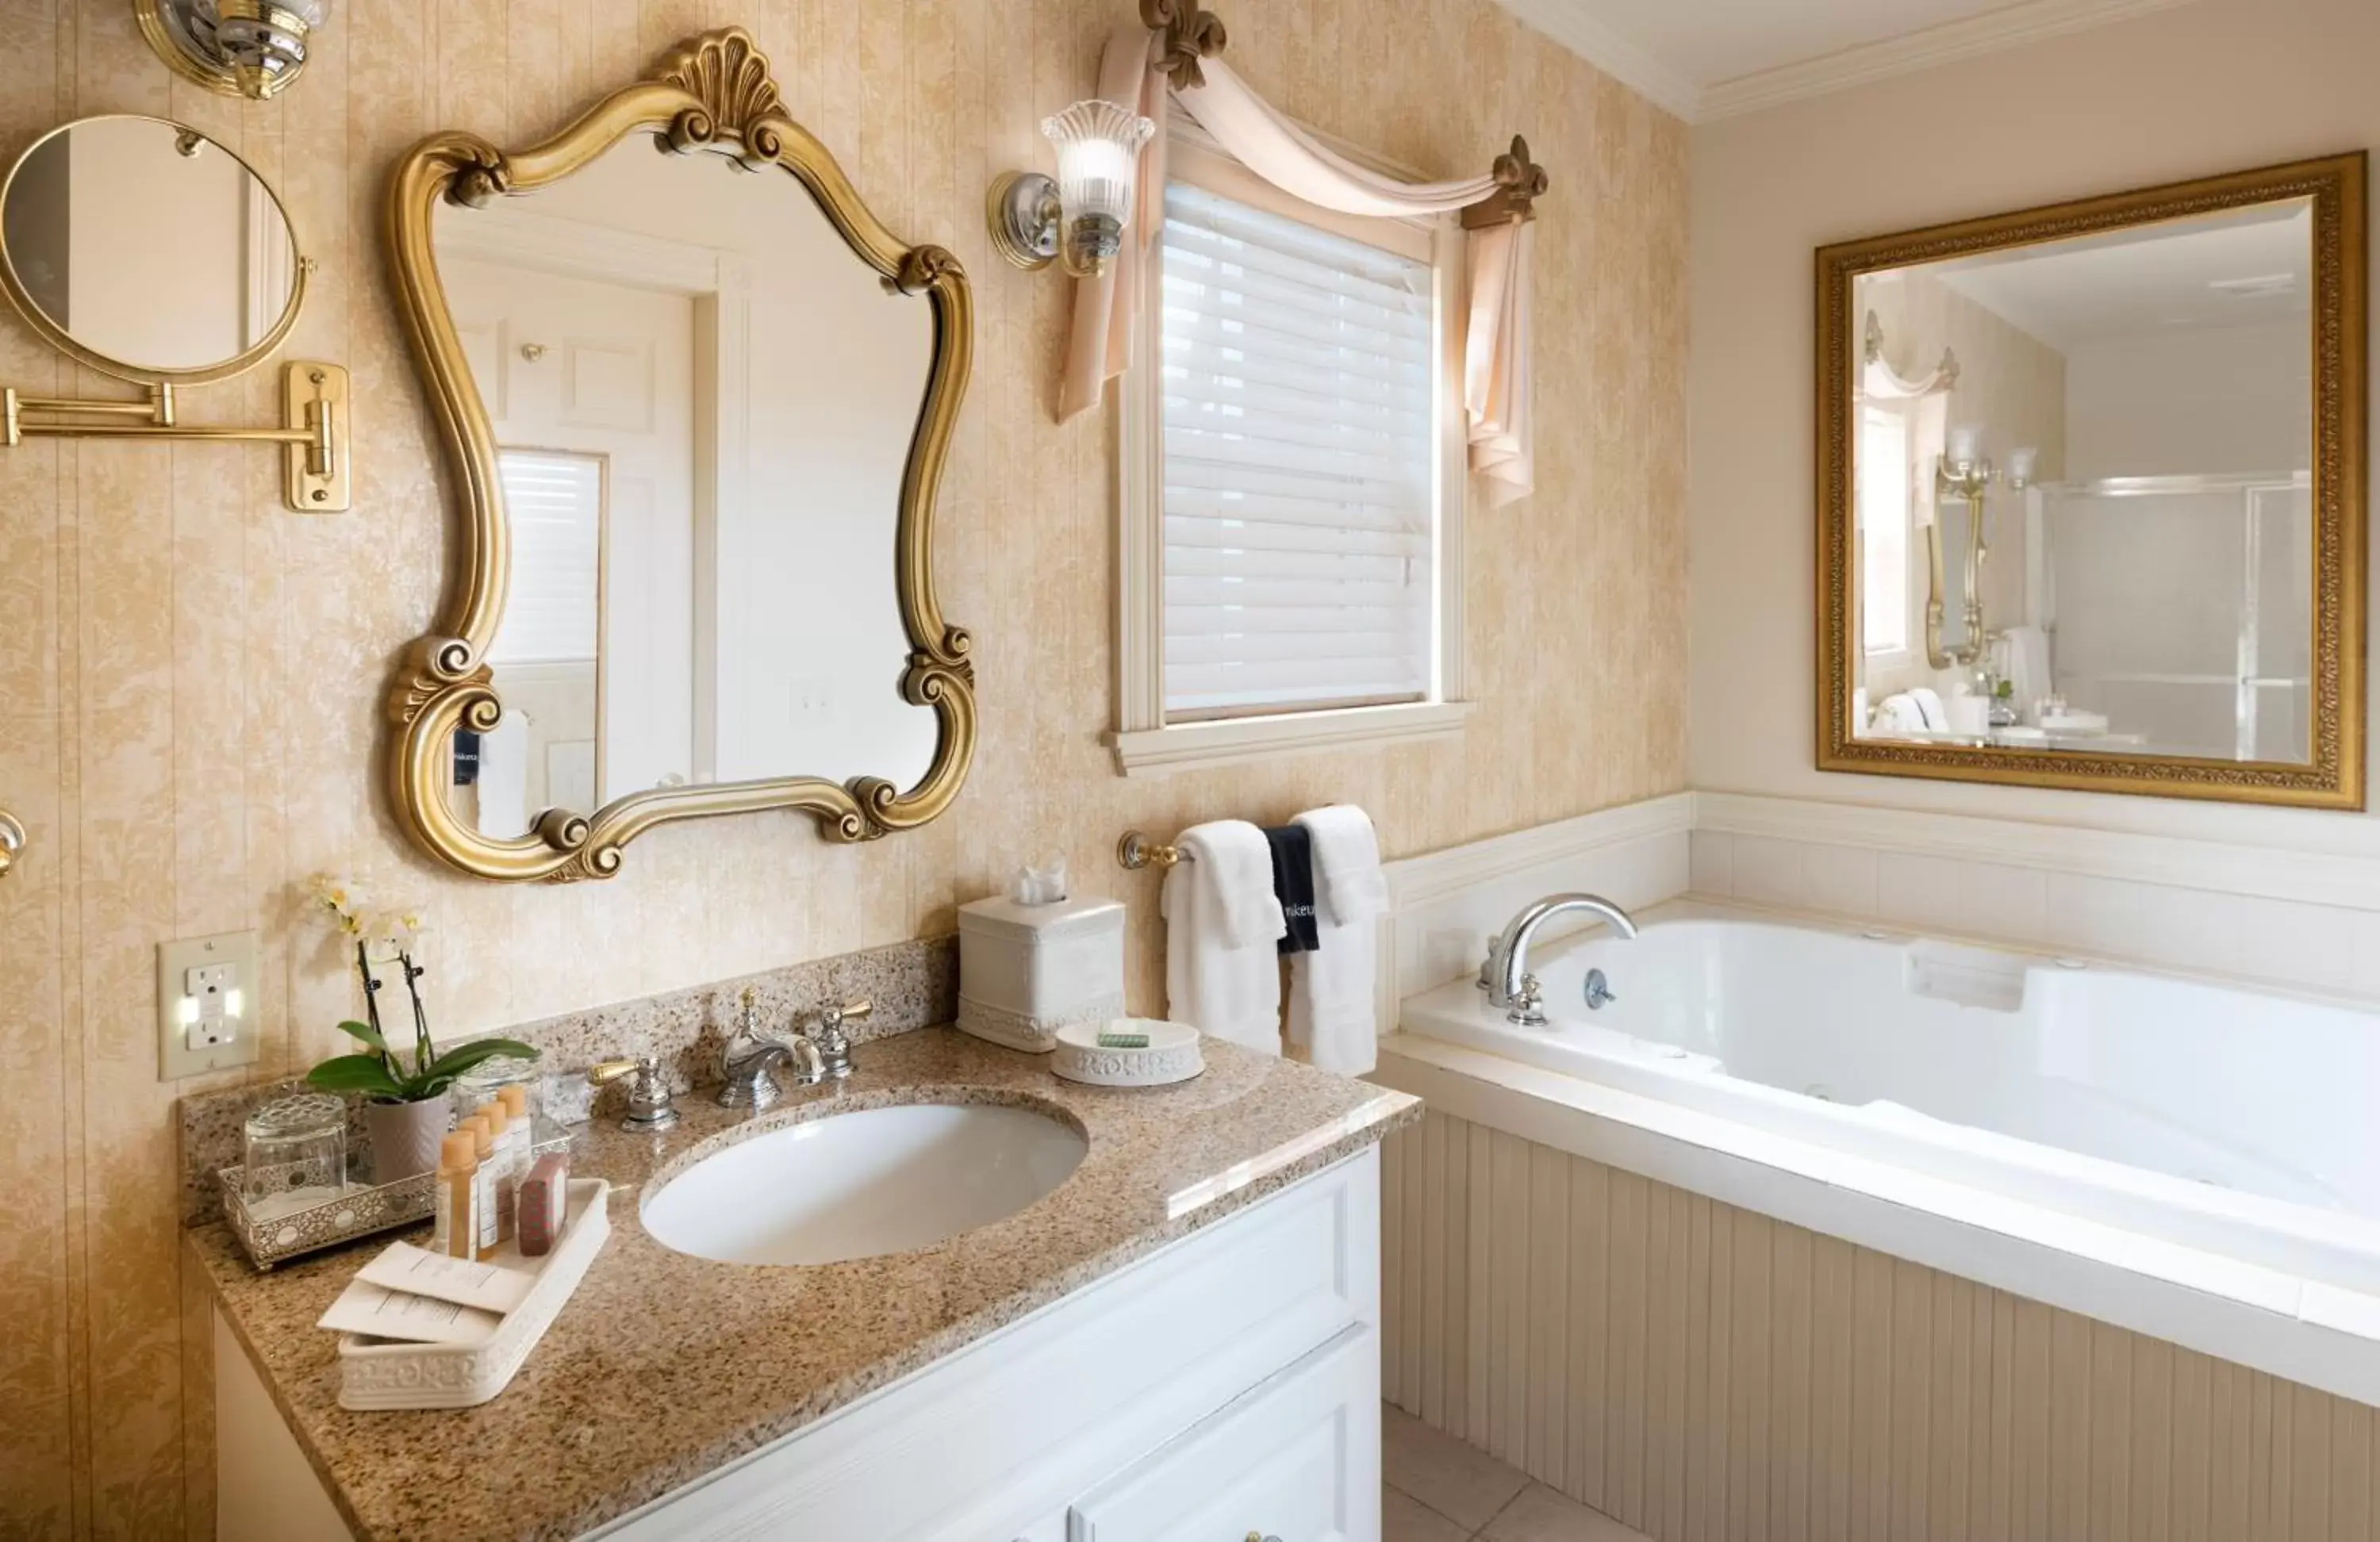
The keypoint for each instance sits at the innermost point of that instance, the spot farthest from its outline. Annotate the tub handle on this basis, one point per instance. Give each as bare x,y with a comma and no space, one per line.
1529,1007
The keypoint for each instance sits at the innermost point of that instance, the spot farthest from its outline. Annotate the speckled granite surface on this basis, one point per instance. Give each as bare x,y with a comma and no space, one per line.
908,984
663,1366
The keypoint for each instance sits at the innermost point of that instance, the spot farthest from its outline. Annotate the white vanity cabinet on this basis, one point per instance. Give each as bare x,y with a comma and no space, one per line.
1224,1386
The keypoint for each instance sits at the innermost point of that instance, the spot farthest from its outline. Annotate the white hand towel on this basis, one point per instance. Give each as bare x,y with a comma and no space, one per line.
1331,1002
1929,706
1223,973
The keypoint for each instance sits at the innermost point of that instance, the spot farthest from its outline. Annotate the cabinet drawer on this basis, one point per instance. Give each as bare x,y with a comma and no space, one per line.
1296,1459
1013,1427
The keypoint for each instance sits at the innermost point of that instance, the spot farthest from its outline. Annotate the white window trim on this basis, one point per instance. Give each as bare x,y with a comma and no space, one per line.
1145,744
1915,573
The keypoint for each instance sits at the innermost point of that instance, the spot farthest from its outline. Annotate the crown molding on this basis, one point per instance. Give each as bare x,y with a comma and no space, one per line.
1566,22
2012,26
1569,24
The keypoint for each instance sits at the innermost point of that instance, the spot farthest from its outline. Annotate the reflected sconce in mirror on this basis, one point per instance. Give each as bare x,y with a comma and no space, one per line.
252,48
1078,218
99,255
1965,474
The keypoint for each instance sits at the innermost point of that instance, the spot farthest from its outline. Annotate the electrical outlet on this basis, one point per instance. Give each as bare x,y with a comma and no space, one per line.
207,1006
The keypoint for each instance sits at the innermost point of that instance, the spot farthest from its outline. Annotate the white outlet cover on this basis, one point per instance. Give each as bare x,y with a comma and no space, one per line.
192,1038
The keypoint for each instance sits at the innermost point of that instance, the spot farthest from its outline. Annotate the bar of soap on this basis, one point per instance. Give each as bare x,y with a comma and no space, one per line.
541,1212
1123,1041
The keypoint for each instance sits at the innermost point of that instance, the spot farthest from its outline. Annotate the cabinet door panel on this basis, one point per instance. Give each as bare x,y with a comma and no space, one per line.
1298,1458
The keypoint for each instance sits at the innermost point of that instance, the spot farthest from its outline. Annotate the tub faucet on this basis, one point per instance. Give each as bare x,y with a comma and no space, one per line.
1510,984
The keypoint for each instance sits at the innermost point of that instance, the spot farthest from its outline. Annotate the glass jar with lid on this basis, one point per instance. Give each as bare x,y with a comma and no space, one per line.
478,1084
294,1154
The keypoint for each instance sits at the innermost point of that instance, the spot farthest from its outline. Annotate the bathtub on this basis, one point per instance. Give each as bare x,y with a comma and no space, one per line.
2220,1139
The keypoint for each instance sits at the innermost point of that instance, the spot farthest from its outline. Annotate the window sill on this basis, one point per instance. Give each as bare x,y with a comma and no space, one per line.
1241,741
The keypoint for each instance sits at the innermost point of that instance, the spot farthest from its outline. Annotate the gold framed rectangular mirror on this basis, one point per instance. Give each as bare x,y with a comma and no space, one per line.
2091,493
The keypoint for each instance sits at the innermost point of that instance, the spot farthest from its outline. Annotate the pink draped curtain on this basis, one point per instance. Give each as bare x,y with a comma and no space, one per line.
1496,348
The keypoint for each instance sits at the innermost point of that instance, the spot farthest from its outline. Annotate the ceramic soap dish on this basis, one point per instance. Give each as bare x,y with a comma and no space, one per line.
1171,1054
383,1373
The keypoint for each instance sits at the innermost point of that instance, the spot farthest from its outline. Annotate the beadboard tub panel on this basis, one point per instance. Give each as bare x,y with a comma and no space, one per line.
1701,1371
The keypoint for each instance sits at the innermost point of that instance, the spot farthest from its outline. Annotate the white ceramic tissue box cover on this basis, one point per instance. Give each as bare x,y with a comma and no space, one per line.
1028,970
381,1375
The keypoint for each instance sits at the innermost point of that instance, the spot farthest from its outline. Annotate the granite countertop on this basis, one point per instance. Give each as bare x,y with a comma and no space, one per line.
661,1367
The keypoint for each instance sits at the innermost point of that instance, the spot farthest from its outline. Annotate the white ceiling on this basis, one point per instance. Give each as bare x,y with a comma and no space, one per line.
1716,58
2242,269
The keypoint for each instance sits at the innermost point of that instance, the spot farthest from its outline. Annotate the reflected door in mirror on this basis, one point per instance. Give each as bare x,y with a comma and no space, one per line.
703,407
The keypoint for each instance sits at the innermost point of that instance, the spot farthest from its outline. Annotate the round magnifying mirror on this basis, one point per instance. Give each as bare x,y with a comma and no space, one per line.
145,250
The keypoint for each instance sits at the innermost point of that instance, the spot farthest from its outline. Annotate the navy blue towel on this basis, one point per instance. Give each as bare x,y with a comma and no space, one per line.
1292,885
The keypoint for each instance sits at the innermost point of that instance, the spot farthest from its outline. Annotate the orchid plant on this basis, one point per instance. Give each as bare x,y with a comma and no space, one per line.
381,938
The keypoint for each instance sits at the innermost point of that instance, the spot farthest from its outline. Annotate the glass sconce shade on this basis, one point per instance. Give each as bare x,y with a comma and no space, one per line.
1098,146
2021,464
1966,444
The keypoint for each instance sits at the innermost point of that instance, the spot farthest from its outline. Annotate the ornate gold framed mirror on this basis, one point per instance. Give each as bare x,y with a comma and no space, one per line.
696,448
2091,499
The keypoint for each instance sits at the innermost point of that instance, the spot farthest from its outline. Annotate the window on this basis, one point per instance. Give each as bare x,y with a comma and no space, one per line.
1299,511
1884,500
1292,496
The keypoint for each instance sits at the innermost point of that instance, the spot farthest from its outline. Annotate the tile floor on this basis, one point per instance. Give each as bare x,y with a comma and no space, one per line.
1438,1489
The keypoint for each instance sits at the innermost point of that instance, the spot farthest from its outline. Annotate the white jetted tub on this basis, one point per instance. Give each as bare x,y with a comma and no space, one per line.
2221,1139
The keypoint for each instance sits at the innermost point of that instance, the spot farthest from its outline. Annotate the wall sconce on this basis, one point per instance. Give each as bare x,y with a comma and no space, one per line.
1079,218
252,48
1965,472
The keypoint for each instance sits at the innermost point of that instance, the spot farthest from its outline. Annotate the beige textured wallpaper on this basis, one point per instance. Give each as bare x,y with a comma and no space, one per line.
190,677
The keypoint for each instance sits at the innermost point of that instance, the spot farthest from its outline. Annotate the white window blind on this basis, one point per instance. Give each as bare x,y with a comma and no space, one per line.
1299,419
553,507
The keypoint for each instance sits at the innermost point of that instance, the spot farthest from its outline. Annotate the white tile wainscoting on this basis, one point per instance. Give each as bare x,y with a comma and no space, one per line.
2295,919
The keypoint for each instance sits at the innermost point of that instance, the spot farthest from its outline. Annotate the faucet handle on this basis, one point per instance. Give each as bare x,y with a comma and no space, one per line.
649,1109
832,1016
1529,1007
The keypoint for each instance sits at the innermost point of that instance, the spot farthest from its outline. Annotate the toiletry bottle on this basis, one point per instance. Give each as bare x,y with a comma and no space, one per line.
508,1177
518,1129
483,1197
457,1233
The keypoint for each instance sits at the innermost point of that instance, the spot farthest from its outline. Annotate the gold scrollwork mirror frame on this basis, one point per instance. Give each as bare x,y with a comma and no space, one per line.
712,94
2333,778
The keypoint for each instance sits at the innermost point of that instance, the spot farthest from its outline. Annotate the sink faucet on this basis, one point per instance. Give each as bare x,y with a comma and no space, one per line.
823,1049
1510,984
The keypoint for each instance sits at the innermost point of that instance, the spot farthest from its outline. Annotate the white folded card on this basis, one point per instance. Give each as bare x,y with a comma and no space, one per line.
364,1307
490,1287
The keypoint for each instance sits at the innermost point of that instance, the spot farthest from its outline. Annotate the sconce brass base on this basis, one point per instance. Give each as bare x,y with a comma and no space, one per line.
314,431
1023,212
171,33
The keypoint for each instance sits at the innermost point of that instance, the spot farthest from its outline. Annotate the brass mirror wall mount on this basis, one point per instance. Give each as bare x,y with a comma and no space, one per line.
712,95
147,251
2182,584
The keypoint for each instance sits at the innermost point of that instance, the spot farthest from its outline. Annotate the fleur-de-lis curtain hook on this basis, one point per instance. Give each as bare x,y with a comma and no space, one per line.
1190,34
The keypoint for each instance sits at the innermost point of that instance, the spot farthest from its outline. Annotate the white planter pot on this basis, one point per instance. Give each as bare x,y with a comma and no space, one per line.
405,1136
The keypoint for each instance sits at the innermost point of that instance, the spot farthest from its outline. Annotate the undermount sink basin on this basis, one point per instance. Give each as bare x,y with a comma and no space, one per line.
854,1185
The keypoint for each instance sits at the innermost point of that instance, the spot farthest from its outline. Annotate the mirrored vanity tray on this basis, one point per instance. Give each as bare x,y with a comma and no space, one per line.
271,1234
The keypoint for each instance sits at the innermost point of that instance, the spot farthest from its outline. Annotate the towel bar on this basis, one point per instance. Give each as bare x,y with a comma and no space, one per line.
1136,851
